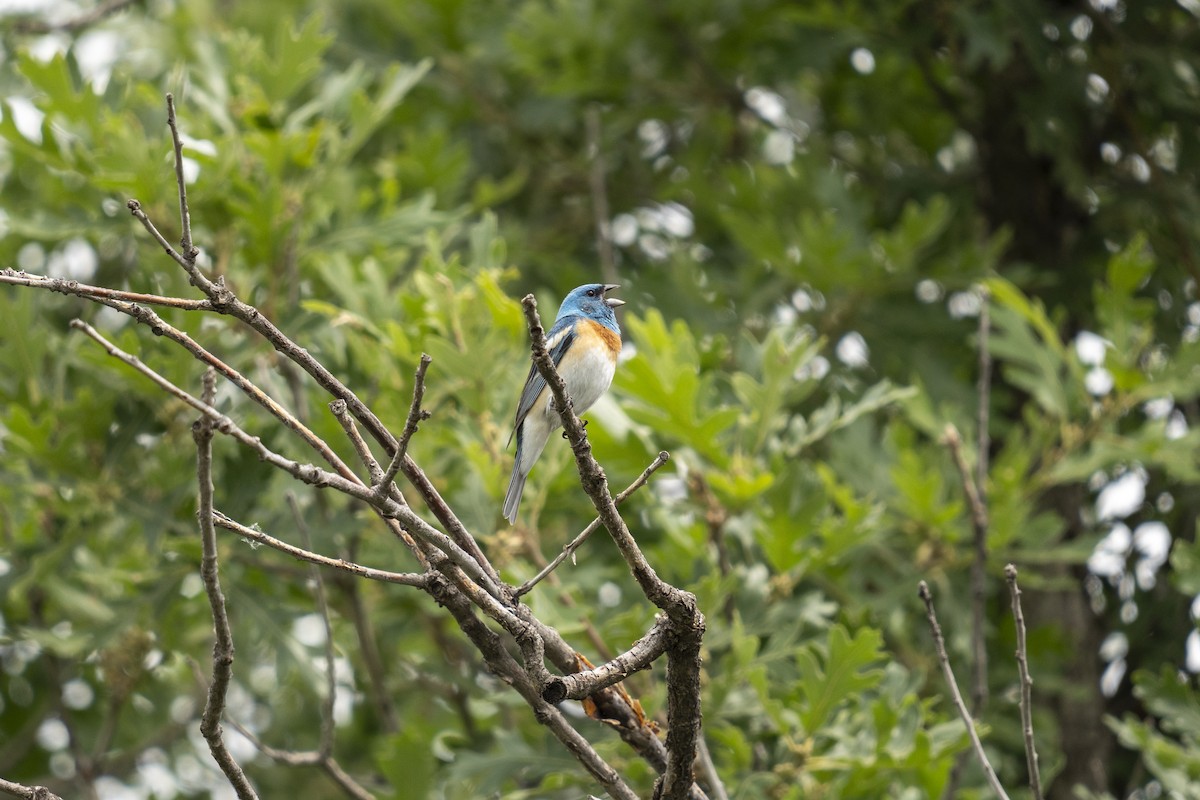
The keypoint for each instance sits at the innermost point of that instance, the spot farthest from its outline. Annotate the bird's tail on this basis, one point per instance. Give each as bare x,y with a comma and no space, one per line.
512,500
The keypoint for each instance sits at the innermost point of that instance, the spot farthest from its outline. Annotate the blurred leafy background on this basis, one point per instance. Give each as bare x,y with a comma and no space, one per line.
804,203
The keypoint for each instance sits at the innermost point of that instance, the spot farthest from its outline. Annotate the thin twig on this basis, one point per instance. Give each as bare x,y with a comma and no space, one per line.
709,770
499,661
984,390
570,548
1031,756
369,649
308,473
416,415
637,658
306,758
222,658
361,448
185,218
161,327
940,645
224,301
979,528
982,446
65,286
29,792
255,535
325,748
74,24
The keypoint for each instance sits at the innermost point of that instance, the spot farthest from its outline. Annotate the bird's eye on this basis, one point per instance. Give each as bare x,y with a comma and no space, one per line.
591,292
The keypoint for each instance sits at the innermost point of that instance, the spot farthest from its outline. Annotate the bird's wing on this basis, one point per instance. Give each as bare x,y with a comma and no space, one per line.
559,340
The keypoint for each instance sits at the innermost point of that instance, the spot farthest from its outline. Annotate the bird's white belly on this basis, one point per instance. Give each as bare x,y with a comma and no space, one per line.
587,377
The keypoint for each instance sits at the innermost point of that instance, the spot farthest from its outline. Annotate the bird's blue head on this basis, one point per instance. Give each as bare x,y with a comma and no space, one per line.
589,301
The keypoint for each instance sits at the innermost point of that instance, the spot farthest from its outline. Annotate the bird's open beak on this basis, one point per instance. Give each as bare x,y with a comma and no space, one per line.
612,302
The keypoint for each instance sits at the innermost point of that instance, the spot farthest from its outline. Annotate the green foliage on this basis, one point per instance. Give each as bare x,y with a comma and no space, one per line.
784,182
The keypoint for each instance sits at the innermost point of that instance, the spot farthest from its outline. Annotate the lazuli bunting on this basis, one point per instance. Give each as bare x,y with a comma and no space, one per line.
584,343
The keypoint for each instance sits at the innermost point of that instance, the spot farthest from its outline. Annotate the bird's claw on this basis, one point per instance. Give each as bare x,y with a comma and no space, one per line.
583,421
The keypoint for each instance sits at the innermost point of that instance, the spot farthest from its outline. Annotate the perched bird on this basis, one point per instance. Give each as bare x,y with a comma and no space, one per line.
584,343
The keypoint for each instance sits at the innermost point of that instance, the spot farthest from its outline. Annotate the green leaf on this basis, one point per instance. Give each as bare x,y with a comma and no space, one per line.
831,675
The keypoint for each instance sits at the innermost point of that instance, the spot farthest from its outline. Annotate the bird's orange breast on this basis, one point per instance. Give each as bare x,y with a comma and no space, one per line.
609,338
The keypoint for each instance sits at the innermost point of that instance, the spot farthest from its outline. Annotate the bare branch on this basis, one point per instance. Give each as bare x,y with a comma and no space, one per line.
255,535
185,218
683,655
76,23
306,758
940,645
197,277
502,664
161,327
308,473
1026,704
325,748
570,548
64,286
709,770
222,658
29,792
415,415
638,657
979,527
224,301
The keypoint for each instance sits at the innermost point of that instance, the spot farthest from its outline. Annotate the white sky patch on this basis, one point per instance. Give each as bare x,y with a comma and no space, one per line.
1108,557
964,304
96,52
1177,426
768,105
929,291
624,230
813,370
863,61
191,585
191,170
1091,348
77,694
52,735
110,788
27,117
676,220
48,46
654,246
76,260
1098,381
1097,88
654,135
1110,680
158,781
1152,541
779,148
609,594
1192,649
1114,646
1138,168
1158,408
1121,497
309,630
852,350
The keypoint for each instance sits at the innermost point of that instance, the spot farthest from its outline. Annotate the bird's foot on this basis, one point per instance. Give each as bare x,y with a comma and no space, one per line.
584,421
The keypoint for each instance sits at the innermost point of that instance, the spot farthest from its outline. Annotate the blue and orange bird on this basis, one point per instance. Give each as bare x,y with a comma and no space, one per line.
584,343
